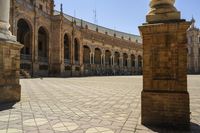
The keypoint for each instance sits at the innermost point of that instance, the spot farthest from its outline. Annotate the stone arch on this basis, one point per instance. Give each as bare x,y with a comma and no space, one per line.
76,49
125,59
132,60
43,42
117,58
24,36
67,47
86,54
108,57
97,56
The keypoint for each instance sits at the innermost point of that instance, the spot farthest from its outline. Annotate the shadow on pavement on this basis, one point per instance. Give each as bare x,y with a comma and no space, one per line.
194,128
6,106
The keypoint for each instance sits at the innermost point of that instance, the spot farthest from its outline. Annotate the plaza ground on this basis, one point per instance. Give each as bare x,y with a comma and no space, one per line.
85,105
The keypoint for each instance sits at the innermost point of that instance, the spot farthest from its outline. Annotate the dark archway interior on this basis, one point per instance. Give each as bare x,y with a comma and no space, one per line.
125,59
24,36
66,47
133,60
76,50
117,57
42,43
86,55
107,57
97,58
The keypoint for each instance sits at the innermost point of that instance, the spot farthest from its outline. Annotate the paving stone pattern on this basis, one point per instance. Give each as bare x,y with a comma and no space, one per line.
85,105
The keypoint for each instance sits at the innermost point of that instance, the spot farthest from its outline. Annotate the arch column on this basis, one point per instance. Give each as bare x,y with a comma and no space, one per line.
129,61
90,58
121,60
103,57
93,58
112,58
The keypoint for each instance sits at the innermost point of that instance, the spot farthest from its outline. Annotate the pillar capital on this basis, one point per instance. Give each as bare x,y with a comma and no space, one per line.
162,11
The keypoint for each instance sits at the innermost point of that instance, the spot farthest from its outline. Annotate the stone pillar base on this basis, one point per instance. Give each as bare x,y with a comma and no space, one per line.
10,89
10,93
166,109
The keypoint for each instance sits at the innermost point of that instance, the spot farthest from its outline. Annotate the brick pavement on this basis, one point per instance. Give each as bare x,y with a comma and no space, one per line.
85,105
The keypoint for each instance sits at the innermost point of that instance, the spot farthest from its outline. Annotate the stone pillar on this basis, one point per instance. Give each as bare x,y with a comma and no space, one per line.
10,89
93,58
165,99
90,58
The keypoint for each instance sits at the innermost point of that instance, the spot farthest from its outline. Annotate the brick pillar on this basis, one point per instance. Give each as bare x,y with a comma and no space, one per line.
165,99
10,89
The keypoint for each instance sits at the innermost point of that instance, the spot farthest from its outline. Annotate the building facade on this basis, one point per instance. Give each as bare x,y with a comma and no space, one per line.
193,35
56,44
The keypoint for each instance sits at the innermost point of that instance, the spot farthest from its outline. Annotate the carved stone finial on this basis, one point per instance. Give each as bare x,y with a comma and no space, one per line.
162,10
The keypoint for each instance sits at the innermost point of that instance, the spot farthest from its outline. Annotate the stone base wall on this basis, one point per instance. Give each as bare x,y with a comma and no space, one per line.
165,109
10,89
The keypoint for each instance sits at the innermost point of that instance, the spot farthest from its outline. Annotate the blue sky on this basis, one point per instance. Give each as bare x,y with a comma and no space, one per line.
122,15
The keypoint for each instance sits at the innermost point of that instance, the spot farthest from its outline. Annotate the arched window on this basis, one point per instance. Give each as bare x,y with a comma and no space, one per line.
86,55
66,47
97,56
76,49
24,36
42,42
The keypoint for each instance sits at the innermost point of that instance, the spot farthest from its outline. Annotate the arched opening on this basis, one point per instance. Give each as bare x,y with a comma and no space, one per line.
66,47
97,56
117,57
108,57
42,44
139,61
125,59
76,50
86,55
133,60
24,37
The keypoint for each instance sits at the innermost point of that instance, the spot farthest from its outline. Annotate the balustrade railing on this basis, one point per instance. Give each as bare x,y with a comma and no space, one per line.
76,63
43,59
25,57
66,61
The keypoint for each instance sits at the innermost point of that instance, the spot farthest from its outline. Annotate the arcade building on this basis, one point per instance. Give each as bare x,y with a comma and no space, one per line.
56,44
